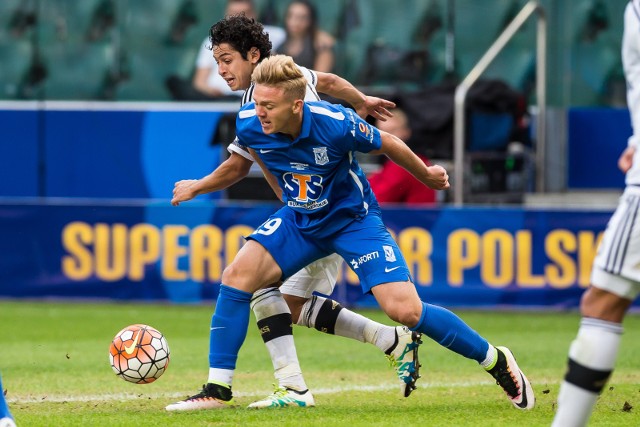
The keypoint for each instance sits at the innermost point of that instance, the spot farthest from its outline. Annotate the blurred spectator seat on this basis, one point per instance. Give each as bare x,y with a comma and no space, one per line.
477,25
144,26
595,53
355,32
76,42
393,57
329,12
209,12
70,48
16,51
72,21
18,18
593,64
158,42
79,71
16,61
147,71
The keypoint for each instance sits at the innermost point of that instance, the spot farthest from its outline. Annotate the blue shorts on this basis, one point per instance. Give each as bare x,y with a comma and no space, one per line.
365,245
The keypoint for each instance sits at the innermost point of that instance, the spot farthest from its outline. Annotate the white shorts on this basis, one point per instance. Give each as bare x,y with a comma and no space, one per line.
616,267
319,276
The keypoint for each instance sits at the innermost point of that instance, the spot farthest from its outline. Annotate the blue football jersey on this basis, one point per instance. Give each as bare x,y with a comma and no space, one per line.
318,173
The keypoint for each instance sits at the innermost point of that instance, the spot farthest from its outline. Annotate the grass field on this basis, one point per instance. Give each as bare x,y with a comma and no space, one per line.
54,363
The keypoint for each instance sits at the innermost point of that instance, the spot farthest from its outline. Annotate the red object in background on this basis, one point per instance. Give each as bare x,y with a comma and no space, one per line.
393,184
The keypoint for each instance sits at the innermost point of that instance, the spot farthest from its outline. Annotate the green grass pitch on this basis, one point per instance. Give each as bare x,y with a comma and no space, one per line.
54,364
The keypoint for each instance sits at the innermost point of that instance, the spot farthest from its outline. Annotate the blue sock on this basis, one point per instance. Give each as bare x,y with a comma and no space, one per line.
451,332
228,327
4,408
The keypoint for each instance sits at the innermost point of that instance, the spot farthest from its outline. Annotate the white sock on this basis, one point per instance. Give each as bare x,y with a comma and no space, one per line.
382,336
330,317
285,363
577,400
271,312
491,359
592,357
223,376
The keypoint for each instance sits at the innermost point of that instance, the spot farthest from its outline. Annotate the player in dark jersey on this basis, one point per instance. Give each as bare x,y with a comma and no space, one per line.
615,274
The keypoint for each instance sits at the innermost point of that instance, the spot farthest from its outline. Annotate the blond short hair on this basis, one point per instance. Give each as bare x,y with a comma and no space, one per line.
280,71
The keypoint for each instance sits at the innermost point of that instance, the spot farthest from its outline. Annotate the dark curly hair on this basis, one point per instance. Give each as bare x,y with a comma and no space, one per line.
241,33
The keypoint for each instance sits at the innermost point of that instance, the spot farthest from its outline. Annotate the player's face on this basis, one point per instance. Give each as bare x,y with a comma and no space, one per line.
276,111
233,68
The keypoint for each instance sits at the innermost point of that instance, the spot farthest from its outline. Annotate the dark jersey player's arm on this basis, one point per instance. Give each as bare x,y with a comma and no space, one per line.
337,87
232,170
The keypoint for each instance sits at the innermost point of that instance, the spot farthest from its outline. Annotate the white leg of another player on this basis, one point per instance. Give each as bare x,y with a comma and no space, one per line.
330,317
592,357
275,324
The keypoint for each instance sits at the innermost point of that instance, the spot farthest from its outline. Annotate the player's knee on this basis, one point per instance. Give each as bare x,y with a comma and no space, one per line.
236,277
410,318
600,304
405,315
587,302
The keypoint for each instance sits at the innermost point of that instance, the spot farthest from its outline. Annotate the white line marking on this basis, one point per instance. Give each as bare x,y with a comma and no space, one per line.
136,396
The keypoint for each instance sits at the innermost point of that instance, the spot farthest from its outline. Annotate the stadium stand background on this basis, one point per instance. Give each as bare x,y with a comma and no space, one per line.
124,50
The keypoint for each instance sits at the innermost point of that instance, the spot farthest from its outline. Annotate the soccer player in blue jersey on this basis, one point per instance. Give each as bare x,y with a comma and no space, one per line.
239,43
6,420
329,207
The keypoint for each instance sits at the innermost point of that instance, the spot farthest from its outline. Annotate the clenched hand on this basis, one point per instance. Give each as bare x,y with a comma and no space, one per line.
438,178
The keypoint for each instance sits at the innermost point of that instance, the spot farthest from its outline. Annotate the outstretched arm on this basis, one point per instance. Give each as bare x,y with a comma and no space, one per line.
228,173
435,177
364,105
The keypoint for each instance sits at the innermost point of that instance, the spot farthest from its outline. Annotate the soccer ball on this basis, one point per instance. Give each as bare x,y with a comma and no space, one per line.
139,354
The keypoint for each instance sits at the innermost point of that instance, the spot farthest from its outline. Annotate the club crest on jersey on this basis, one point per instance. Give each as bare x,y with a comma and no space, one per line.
321,156
389,255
